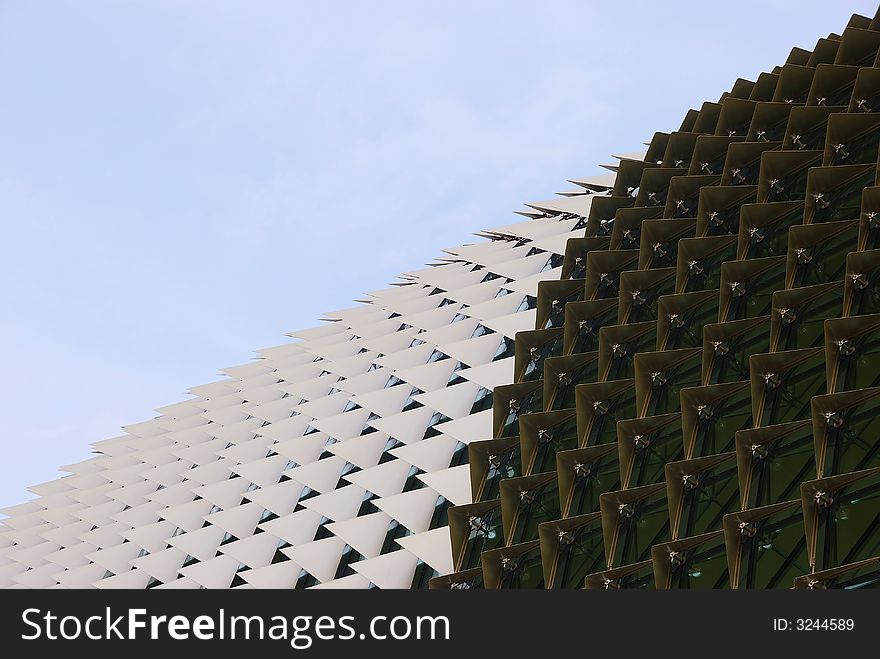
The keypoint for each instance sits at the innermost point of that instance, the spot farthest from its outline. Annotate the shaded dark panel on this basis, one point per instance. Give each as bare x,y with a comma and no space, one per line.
511,401
618,344
542,435
490,462
855,576
699,262
846,431
862,283
640,291
552,298
728,346
634,521
701,491
681,318
645,446
639,576
835,193
465,580
563,374
699,562
600,406
518,566
585,474
747,287
774,461
532,348
474,528
842,517
817,252
711,416
571,549
766,547
763,228
582,323
852,351
526,502
660,377
799,314
603,272
783,383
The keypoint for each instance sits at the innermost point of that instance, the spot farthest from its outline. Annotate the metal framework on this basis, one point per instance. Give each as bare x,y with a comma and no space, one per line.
698,405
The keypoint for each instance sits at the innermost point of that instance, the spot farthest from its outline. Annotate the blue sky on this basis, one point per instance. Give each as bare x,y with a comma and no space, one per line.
183,181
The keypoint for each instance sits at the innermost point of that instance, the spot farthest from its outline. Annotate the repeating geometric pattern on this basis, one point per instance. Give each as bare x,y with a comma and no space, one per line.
697,406
329,461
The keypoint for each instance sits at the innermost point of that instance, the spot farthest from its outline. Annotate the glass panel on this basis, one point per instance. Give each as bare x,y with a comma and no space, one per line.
566,373
685,322
773,550
501,465
850,437
730,352
550,440
801,319
537,505
524,570
771,238
606,414
484,533
707,497
786,394
641,525
667,384
718,420
592,479
581,551
705,272
848,523
702,566
652,451
777,468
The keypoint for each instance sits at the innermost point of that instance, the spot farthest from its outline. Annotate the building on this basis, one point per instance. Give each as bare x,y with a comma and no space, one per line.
666,378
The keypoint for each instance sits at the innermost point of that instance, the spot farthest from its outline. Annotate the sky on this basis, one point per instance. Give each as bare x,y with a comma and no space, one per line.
184,181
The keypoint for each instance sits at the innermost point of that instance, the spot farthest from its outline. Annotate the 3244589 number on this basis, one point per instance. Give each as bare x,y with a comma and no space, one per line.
824,624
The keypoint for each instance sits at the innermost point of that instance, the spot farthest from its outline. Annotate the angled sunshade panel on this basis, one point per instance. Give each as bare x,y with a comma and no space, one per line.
799,315
845,431
728,346
665,377
710,153
842,518
719,208
627,230
693,563
773,462
682,317
640,291
852,352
